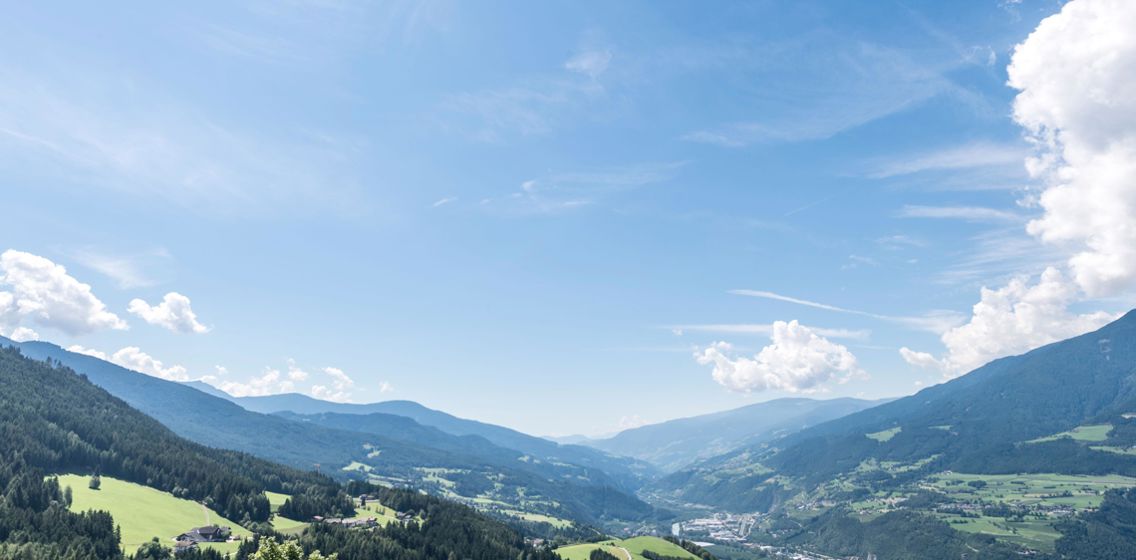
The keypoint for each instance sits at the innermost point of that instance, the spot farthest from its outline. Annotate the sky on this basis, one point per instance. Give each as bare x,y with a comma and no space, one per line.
566,217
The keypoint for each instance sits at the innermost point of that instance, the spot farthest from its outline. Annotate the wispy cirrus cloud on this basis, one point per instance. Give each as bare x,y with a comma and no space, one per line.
967,213
128,270
146,141
531,107
827,94
558,192
973,155
766,329
935,322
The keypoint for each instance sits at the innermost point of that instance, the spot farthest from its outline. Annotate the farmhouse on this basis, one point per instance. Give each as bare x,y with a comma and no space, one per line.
209,533
182,546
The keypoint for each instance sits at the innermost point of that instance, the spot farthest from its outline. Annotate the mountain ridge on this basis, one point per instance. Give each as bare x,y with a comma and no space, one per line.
675,443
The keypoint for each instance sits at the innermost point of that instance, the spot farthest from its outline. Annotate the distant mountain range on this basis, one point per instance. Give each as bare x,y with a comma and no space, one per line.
382,447
630,474
677,443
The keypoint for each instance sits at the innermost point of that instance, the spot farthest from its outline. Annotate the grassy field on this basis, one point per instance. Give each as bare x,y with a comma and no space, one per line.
382,513
1098,432
1034,533
144,513
275,500
634,546
1075,491
1071,492
885,435
539,518
283,524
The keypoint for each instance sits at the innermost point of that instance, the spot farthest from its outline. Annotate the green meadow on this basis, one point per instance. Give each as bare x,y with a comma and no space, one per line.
634,546
885,435
145,513
1097,432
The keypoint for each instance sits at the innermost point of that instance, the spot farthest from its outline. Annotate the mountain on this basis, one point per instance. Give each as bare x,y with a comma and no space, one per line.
55,421
629,474
550,487
1029,445
392,449
677,443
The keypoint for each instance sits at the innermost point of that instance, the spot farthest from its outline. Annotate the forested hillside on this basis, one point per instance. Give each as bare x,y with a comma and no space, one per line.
52,420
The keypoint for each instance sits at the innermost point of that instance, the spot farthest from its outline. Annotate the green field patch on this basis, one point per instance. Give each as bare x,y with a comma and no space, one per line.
884,435
1097,432
538,518
276,499
634,546
1045,491
383,514
1032,533
287,526
145,513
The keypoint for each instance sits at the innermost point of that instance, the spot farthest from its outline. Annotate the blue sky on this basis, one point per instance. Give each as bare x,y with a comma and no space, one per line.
534,214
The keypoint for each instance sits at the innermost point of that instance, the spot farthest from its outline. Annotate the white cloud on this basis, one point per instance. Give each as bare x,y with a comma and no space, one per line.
920,359
22,334
1011,320
271,382
295,373
174,313
43,292
133,358
88,351
1077,79
968,213
341,385
630,422
444,201
797,360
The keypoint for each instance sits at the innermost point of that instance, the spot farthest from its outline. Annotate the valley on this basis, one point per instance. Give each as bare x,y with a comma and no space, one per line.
827,490
583,280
